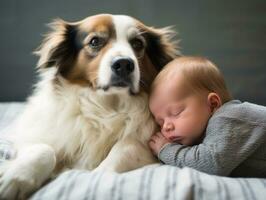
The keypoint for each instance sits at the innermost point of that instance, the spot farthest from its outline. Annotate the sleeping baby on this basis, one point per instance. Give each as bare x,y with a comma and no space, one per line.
202,127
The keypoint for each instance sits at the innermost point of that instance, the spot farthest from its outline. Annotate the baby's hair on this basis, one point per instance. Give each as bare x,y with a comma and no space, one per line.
199,75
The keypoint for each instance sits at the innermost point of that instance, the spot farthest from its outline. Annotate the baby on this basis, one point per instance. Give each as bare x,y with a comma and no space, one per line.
201,126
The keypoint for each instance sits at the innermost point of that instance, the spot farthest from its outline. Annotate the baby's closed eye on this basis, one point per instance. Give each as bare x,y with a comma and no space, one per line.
176,112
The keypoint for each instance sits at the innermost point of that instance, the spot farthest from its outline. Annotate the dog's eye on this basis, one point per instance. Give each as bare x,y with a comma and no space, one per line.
96,42
137,44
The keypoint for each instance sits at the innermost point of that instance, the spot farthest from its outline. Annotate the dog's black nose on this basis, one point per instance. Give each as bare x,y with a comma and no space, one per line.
122,66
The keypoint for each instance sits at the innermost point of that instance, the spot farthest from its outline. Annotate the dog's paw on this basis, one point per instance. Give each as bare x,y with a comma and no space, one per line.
15,183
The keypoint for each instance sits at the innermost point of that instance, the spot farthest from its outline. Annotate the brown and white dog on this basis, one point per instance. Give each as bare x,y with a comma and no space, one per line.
89,110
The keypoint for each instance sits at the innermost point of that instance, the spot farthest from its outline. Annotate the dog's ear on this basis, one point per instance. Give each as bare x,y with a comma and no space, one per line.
59,47
162,46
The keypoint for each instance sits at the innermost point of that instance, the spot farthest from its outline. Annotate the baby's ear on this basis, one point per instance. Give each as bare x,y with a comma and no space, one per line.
214,101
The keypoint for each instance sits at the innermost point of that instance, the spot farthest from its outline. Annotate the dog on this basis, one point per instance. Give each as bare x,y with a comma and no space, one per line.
89,110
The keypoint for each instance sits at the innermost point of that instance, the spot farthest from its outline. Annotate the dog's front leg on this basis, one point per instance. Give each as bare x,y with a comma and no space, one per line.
127,154
31,167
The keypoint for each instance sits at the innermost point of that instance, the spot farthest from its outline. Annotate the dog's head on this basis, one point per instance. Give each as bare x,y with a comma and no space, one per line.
107,51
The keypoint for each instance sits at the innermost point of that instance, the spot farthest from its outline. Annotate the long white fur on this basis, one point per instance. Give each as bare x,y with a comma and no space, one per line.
81,124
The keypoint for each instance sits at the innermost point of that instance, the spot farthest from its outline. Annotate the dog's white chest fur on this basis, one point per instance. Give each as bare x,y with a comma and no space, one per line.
83,125
110,118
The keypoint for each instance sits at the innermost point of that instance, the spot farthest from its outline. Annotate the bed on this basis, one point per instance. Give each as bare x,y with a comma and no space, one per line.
150,182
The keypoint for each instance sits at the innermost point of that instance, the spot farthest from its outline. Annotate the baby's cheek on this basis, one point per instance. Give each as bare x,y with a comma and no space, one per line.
185,127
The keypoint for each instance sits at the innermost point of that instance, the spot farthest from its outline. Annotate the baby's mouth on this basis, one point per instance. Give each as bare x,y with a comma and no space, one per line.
176,139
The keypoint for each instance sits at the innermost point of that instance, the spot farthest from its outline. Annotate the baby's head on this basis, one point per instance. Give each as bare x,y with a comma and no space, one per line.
184,96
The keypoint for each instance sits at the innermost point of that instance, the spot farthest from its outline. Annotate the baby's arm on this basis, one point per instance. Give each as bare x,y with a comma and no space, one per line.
199,157
176,154
196,157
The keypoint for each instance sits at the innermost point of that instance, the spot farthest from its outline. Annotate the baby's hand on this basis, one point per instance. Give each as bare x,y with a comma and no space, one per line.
156,142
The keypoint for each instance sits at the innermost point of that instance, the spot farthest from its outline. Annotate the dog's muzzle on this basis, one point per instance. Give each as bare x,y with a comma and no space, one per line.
122,70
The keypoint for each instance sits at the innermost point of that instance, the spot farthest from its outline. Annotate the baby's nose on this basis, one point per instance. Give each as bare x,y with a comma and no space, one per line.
168,127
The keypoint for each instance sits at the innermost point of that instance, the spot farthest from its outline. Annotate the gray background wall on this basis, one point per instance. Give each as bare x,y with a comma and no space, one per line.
230,33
